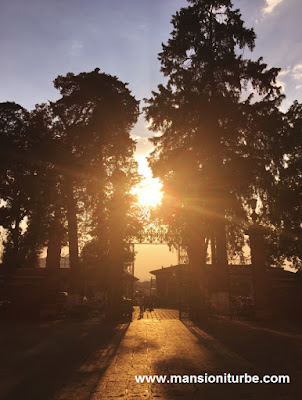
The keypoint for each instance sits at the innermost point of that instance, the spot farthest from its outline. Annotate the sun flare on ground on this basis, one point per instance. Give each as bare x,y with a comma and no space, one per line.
148,191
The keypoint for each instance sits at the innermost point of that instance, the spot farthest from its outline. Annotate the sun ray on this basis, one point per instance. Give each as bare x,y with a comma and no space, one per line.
148,191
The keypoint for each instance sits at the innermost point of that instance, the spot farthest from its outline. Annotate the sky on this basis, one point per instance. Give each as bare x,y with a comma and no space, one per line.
41,39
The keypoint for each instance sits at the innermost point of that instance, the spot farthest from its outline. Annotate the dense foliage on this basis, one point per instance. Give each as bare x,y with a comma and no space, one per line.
221,138
56,169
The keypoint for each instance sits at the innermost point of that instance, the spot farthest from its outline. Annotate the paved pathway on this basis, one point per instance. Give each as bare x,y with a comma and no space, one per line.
161,344
157,314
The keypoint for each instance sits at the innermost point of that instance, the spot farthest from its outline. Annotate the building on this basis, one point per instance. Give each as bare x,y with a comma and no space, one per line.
285,288
28,290
171,285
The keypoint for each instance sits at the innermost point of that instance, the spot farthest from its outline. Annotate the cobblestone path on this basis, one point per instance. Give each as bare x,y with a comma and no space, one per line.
161,344
157,313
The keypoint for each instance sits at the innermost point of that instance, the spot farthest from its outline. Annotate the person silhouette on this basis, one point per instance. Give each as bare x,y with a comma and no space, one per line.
141,308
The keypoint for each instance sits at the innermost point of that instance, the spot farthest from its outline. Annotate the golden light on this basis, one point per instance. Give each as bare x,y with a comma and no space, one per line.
148,192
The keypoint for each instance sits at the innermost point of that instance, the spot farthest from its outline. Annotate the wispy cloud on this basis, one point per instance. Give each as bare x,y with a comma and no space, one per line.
297,72
285,72
280,81
136,137
270,5
291,73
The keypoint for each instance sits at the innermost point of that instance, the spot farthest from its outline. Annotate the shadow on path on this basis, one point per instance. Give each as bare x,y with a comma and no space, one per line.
265,350
40,361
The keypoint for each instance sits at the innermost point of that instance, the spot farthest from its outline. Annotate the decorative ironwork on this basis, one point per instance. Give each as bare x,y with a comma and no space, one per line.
182,255
152,234
155,233
129,265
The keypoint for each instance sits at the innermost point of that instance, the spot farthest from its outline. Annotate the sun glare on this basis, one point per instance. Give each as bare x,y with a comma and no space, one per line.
148,192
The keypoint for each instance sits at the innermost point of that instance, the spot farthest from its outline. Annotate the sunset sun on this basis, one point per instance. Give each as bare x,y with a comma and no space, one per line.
148,192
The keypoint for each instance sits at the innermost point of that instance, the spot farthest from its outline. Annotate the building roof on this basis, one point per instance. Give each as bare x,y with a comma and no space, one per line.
275,273
128,276
170,270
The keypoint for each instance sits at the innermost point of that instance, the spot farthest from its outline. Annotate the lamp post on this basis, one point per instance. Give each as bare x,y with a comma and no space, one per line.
260,279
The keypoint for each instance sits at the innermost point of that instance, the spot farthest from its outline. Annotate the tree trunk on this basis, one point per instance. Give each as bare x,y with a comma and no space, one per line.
221,247
55,243
16,229
72,236
197,260
213,249
116,249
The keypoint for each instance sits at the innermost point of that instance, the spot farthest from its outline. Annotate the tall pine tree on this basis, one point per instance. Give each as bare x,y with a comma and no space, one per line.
222,109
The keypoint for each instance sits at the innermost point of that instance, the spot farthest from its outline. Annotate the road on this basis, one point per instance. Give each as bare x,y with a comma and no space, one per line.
86,360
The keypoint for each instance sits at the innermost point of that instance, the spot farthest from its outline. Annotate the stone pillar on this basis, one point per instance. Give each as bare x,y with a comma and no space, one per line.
260,275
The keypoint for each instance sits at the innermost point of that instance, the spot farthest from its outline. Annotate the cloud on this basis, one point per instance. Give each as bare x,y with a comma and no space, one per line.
285,72
135,137
270,5
297,71
290,73
281,84
279,81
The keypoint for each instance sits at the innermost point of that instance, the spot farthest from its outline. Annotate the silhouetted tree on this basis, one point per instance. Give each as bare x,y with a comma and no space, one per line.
14,175
223,109
46,224
112,222
29,183
283,209
96,113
